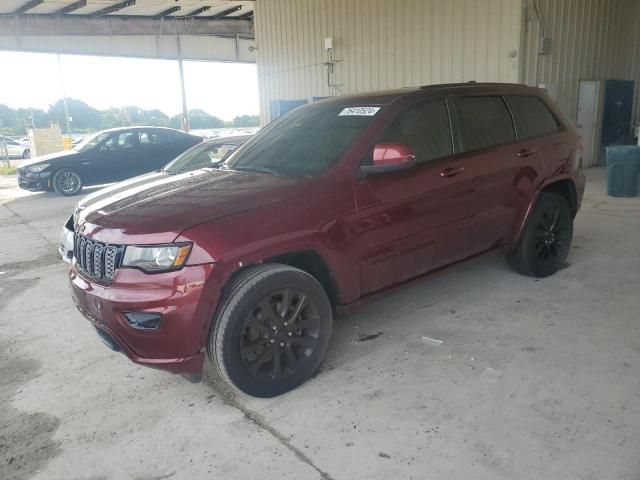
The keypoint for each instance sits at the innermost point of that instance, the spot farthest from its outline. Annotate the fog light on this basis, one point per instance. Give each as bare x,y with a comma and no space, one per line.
143,321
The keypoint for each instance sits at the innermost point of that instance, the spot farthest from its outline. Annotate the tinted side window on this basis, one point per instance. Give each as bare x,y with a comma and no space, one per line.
532,116
483,122
148,138
425,127
165,136
121,141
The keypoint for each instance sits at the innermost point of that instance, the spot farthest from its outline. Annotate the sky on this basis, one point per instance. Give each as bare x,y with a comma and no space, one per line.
225,90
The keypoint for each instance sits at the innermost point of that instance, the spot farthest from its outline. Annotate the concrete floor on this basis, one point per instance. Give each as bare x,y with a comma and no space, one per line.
563,400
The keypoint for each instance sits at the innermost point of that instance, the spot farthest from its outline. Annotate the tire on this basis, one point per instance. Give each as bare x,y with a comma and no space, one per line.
255,348
546,241
67,182
26,153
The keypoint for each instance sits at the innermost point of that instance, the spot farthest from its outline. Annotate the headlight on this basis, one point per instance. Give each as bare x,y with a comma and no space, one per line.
156,258
38,167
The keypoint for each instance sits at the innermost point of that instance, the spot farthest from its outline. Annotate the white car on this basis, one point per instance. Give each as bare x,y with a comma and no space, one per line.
15,149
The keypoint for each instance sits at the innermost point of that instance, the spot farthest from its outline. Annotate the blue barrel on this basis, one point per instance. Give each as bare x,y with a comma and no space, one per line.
623,171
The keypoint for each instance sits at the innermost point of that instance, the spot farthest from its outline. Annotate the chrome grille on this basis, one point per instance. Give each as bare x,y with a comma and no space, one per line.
96,259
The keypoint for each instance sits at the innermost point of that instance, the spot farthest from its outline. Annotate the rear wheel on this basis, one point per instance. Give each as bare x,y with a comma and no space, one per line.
271,331
546,241
67,182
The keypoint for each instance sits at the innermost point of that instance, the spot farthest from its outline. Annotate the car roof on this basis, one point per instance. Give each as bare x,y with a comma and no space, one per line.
140,127
388,96
232,138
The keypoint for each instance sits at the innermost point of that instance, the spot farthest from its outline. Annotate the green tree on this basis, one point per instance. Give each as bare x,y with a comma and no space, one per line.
83,116
197,119
7,118
246,121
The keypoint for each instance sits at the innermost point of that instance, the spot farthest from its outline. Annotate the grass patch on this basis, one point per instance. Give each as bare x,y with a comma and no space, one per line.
4,170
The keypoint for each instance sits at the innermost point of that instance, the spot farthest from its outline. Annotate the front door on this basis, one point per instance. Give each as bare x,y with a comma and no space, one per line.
413,221
116,158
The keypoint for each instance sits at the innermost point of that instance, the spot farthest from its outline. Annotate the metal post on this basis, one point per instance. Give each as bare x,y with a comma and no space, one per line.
3,149
185,113
5,153
64,97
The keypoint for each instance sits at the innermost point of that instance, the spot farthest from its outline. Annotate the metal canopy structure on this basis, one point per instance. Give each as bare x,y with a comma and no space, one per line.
132,28
199,9
211,30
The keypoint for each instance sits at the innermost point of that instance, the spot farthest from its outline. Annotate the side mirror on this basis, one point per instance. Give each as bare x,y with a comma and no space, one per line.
390,157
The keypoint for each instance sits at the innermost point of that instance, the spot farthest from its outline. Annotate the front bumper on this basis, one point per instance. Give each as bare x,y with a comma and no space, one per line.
183,299
35,182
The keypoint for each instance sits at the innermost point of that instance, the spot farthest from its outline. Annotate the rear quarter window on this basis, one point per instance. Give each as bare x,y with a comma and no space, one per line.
532,116
483,122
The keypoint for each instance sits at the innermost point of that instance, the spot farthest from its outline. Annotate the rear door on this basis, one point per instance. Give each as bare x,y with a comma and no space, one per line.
412,221
486,139
151,155
540,131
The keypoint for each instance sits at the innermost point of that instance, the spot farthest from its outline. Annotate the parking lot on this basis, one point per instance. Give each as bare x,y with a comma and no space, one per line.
475,372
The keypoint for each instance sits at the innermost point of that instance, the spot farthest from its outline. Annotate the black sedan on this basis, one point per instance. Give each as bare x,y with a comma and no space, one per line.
107,156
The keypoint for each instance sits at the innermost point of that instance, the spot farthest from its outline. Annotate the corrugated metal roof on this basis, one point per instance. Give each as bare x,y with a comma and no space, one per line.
145,8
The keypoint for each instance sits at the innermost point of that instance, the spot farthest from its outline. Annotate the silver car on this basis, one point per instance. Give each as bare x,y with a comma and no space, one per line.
14,148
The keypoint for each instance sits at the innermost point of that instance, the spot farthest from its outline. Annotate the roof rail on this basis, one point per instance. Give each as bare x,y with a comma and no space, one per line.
470,84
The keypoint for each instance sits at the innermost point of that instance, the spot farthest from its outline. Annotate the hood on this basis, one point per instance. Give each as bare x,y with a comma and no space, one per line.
156,208
48,157
118,188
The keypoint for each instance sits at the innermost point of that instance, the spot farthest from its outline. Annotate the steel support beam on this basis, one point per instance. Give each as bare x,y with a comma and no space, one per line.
198,11
27,6
76,25
72,7
185,111
112,8
167,12
224,13
245,16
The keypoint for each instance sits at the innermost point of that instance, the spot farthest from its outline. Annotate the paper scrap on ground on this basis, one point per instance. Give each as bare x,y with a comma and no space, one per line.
490,375
434,342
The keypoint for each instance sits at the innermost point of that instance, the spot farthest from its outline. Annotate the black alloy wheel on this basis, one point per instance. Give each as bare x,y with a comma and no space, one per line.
271,329
67,182
279,334
546,241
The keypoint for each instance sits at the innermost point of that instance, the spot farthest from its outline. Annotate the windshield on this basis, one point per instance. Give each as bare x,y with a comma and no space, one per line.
306,142
202,155
90,142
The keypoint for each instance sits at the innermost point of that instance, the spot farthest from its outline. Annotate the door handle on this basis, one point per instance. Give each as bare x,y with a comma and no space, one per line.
451,171
526,152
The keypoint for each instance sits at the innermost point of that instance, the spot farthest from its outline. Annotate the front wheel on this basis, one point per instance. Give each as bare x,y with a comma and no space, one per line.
546,241
26,154
271,331
67,182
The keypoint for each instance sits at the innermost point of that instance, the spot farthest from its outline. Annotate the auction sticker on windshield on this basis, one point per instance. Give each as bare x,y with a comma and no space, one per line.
359,111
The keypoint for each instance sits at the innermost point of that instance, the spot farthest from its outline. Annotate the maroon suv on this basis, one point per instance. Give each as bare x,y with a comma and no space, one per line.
328,205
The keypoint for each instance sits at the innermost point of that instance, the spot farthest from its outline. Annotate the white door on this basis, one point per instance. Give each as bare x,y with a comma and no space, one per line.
586,118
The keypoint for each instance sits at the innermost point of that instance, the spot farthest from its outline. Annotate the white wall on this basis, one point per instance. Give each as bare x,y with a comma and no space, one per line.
587,44
383,44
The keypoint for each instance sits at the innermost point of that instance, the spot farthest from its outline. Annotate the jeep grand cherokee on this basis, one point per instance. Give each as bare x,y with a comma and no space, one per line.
247,262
